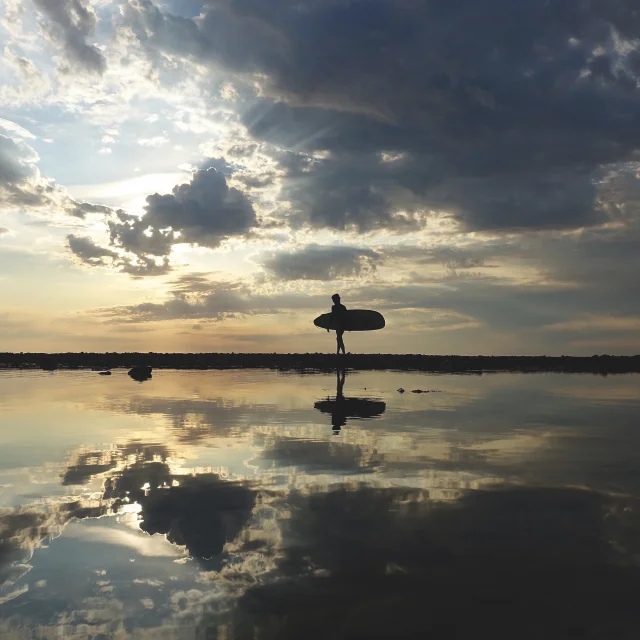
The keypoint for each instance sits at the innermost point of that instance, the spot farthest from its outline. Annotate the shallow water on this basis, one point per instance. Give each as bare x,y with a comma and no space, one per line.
252,504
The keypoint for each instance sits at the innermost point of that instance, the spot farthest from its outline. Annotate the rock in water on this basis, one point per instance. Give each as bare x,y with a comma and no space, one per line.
140,373
104,373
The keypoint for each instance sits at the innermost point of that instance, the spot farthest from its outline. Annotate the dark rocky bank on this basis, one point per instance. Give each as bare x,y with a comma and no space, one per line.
308,362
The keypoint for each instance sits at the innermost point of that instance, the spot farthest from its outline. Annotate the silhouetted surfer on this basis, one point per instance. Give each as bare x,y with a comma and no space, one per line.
339,314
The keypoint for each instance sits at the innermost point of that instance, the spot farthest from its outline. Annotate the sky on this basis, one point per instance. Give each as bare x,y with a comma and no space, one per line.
202,175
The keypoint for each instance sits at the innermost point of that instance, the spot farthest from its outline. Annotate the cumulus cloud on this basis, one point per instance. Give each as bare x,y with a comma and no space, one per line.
204,212
4,231
316,262
69,23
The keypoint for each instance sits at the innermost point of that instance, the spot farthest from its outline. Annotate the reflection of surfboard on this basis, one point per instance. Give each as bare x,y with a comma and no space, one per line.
357,320
352,407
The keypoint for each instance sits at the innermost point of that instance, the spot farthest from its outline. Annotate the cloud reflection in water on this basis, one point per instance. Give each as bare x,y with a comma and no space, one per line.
505,505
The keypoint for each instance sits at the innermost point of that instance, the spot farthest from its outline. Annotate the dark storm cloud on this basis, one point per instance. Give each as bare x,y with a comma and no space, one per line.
348,192
69,23
316,262
206,211
502,112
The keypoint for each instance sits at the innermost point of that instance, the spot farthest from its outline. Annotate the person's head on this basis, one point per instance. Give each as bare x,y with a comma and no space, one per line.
336,298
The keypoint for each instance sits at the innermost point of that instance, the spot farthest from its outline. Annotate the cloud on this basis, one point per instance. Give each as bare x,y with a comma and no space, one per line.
155,141
31,82
316,262
194,296
89,252
449,256
93,255
87,464
348,193
143,266
16,163
202,511
26,528
317,457
69,23
221,300
22,186
503,128
16,129
374,557
204,212
4,231
83,209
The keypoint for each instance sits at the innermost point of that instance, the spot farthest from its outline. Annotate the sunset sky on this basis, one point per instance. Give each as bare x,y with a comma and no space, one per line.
202,175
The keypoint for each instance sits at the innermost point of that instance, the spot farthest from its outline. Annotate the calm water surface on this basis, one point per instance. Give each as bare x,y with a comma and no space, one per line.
257,505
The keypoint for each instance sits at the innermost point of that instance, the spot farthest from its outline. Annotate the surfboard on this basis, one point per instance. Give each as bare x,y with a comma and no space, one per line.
357,320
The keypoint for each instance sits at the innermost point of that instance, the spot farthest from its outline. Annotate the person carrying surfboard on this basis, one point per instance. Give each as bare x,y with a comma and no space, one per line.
339,314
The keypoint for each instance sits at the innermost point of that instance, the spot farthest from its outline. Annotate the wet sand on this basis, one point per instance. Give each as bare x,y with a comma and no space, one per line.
301,362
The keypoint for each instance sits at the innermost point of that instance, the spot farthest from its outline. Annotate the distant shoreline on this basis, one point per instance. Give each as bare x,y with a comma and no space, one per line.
309,362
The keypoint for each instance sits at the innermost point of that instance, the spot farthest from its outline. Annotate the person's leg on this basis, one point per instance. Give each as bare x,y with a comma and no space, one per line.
339,335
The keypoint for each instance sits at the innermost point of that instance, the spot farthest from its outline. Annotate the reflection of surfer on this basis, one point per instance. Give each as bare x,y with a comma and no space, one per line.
342,409
339,411
339,316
